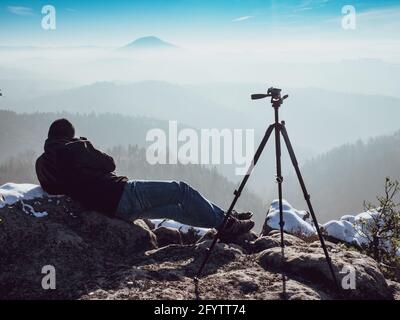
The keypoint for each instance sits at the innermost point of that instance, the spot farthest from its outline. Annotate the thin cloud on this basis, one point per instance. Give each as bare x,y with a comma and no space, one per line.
308,5
302,9
242,18
21,11
380,14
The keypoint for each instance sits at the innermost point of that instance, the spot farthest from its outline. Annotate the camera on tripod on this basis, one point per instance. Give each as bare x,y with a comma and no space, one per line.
275,93
272,92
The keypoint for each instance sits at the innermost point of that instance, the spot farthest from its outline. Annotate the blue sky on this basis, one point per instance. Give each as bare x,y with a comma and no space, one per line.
117,22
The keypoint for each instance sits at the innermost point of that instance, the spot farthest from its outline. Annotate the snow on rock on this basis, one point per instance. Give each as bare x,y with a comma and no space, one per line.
178,226
13,192
349,228
342,230
354,229
348,217
296,221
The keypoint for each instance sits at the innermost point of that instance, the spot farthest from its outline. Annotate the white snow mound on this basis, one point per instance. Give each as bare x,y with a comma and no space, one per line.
296,221
11,193
348,228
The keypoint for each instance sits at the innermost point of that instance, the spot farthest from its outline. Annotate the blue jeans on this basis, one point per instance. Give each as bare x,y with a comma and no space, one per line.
173,200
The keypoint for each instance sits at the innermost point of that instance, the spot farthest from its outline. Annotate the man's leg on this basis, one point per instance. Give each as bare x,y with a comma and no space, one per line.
172,200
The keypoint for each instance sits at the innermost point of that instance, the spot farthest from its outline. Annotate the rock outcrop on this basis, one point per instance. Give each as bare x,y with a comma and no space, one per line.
98,257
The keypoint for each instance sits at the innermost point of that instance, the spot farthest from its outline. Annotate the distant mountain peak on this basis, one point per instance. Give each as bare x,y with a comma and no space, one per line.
149,43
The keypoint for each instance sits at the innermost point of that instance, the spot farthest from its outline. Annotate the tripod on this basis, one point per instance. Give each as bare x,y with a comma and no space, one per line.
280,129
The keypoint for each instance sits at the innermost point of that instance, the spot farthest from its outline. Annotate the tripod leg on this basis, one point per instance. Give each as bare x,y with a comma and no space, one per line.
307,198
237,194
279,180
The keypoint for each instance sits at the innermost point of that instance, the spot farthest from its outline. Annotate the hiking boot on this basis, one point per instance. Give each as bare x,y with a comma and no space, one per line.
235,227
242,215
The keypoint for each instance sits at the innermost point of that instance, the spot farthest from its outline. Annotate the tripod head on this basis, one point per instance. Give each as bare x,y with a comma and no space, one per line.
274,93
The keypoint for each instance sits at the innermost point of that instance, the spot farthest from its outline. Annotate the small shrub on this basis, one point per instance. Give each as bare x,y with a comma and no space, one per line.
381,230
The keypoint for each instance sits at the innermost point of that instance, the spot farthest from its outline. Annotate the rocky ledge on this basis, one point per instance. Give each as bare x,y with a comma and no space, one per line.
98,257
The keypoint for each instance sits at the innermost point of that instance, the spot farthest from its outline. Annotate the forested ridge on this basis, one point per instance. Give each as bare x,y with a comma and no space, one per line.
342,179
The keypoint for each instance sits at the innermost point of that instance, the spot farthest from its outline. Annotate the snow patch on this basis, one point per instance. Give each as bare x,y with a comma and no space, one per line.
348,228
28,209
296,221
13,192
342,230
347,217
178,226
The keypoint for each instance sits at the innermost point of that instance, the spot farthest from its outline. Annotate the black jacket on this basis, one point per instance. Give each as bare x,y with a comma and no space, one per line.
75,168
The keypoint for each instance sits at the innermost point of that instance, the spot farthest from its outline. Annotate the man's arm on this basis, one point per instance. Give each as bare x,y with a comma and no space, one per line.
103,160
90,157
